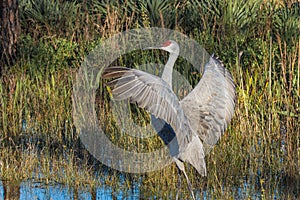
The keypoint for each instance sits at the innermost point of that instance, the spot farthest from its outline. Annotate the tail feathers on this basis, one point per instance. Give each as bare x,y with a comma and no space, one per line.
194,155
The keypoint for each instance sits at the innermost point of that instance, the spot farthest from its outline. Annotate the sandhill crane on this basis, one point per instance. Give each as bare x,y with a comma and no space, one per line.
194,124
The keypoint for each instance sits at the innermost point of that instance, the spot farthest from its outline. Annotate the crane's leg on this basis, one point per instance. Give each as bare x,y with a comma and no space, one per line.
180,166
189,185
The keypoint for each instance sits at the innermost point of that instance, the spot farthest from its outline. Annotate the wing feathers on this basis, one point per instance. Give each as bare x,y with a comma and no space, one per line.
210,105
206,110
153,94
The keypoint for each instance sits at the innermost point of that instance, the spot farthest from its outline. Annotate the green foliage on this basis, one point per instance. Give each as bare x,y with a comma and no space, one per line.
157,11
52,17
54,53
286,22
257,40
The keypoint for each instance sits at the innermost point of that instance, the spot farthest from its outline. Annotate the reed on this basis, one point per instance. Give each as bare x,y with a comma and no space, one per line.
258,153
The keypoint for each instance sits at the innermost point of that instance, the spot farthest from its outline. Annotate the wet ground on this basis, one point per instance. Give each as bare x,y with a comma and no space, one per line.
287,189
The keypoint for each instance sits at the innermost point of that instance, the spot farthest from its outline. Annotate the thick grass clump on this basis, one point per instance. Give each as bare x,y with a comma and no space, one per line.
258,41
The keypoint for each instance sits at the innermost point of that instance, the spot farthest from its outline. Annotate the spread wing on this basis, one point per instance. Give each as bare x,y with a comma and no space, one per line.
209,107
153,94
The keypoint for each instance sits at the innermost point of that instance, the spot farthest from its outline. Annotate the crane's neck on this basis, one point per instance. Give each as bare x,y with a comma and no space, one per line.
167,73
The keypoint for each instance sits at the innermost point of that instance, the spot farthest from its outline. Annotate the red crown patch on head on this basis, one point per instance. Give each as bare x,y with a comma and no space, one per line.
167,43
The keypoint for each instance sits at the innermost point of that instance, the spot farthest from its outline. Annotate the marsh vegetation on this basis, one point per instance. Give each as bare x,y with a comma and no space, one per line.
259,155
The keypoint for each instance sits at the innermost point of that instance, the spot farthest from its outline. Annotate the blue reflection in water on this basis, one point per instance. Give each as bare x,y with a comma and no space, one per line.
38,191
247,188
30,190
1,191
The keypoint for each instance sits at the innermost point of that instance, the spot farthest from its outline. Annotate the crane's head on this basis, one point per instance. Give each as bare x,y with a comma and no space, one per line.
170,46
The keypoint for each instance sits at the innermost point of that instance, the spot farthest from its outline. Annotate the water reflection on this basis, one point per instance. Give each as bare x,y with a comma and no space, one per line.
287,188
35,190
11,190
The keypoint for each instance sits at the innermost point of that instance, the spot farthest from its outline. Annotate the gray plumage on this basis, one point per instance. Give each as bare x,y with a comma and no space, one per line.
195,123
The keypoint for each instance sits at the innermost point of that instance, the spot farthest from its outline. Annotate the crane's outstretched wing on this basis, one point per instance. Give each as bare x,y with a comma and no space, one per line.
209,107
153,94
156,96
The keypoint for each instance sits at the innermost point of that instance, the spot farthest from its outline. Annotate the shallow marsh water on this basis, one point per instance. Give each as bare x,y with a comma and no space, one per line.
284,189
36,190
257,182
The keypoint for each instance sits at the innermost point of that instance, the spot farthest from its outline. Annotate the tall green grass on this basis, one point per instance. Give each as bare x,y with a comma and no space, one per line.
258,41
